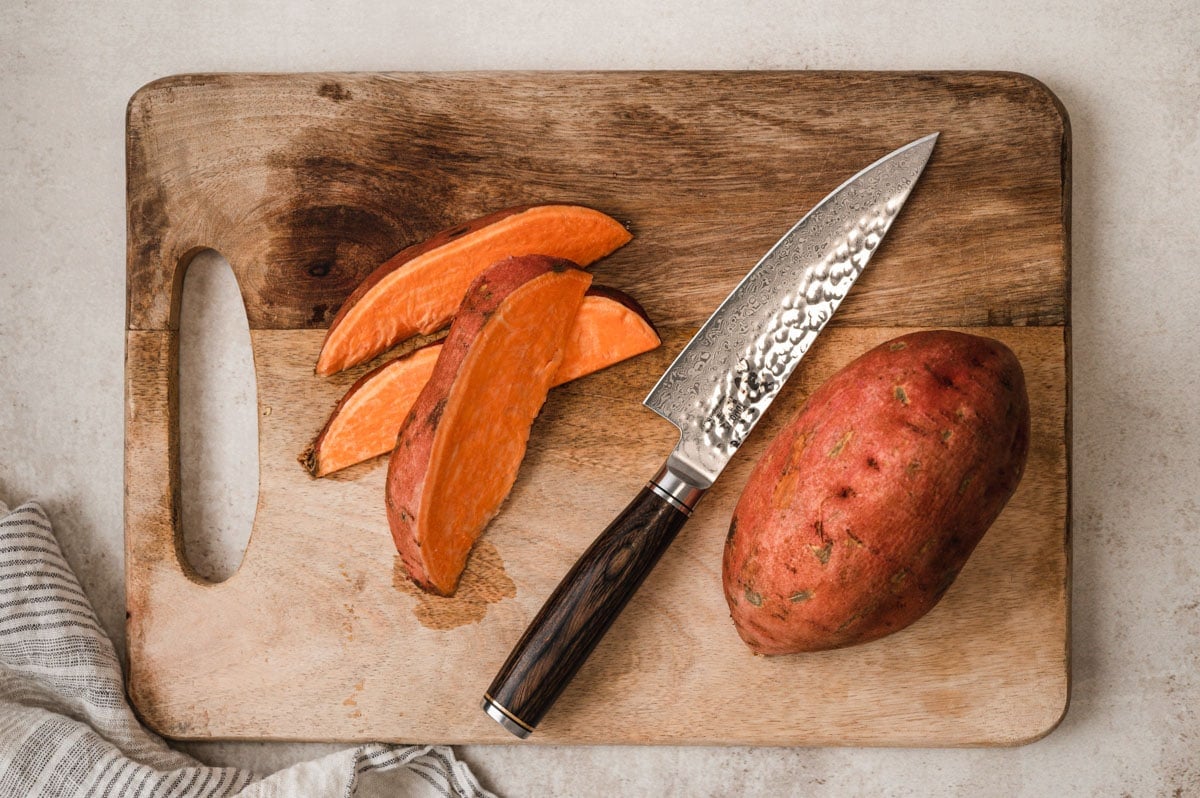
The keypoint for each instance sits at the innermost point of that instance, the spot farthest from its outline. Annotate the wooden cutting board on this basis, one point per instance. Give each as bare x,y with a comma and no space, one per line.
306,182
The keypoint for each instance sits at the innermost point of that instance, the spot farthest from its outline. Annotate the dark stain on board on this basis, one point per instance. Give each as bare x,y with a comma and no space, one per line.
484,582
335,91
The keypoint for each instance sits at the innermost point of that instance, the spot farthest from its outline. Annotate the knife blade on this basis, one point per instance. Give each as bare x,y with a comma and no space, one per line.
714,392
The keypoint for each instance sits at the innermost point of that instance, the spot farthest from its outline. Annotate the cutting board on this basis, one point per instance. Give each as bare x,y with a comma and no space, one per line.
306,182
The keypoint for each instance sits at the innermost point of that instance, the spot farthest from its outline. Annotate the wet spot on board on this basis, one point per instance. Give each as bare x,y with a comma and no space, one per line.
334,91
484,582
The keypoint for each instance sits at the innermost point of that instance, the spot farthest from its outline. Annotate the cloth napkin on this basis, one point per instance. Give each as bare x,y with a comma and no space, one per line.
67,730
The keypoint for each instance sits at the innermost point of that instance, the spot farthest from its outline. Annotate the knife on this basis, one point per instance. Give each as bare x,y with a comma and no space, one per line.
715,392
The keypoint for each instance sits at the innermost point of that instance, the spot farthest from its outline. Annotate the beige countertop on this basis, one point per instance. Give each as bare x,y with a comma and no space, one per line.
1128,76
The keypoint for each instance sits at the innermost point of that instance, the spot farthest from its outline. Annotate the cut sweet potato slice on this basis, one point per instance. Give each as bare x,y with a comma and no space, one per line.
610,327
457,455
418,289
366,420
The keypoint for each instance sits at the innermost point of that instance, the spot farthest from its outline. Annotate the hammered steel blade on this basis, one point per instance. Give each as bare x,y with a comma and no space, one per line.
727,376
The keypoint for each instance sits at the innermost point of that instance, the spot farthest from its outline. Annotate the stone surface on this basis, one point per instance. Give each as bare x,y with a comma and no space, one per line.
1129,74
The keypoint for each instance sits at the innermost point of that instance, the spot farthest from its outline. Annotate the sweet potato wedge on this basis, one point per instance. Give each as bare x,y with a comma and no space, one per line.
418,289
863,509
366,420
457,455
610,327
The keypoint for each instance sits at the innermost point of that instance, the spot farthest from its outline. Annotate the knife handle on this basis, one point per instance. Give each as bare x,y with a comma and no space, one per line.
584,605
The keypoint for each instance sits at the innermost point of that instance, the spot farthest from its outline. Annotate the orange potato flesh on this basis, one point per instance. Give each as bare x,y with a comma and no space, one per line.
460,448
610,327
365,422
418,290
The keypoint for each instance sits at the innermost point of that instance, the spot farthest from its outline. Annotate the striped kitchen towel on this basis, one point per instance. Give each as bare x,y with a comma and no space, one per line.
66,729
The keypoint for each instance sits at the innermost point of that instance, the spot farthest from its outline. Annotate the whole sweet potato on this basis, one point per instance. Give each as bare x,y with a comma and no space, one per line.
864,508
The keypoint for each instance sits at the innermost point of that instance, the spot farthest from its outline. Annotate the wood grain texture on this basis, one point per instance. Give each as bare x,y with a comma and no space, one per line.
307,182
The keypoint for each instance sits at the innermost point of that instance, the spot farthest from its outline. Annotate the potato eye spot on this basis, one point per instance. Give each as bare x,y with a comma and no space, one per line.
841,444
822,553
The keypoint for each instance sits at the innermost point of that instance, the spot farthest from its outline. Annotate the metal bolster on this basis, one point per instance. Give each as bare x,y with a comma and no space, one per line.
509,721
673,488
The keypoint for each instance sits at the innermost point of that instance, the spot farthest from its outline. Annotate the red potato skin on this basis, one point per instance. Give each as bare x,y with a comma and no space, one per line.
865,507
410,462
623,299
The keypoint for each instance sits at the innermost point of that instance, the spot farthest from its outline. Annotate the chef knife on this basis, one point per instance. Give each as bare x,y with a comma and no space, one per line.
715,392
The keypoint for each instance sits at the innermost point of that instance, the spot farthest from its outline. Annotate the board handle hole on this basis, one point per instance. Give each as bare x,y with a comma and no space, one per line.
218,420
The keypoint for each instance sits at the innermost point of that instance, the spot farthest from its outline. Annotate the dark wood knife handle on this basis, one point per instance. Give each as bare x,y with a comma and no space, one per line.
580,610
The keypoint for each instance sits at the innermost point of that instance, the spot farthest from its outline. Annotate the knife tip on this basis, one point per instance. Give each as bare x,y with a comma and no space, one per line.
922,147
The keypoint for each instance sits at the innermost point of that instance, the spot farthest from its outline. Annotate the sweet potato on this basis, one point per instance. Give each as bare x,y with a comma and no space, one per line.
418,289
366,420
610,327
458,453
864,508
